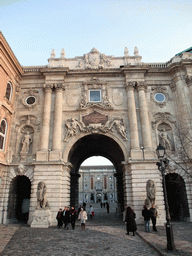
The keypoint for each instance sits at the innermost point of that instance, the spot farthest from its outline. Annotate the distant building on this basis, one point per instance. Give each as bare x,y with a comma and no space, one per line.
97,184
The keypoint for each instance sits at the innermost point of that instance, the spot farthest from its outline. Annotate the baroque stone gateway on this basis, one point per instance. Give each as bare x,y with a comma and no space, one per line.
53,117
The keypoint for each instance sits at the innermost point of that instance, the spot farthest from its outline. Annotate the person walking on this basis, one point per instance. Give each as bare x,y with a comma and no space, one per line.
130,221
73,216
64,216
91,212
82,217
154,214
59,218
107,206
146,214
67,215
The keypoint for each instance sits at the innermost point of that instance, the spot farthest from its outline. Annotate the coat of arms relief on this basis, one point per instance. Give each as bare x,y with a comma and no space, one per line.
94,60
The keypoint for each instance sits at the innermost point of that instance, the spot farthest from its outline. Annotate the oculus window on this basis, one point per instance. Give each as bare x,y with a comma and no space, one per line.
159,97
95,95
30,100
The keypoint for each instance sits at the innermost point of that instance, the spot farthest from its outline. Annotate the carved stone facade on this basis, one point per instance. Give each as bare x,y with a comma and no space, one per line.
71,109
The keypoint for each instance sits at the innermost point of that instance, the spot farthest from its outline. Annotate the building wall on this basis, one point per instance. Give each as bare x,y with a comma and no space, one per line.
140,105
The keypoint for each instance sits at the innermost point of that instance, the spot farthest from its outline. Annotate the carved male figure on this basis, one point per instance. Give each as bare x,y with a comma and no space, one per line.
26,141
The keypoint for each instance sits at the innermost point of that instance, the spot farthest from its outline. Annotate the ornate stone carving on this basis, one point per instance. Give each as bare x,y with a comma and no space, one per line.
49,86
28,120
26,141
42,196
165,136
34,95
173,87
188,80
85,104
20,170
141,86
136,51
151,192
95,60
165,116
165,139
74,127
162,90
126,52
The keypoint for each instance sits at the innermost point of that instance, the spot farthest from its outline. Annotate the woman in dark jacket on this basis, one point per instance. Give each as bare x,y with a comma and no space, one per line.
59,218
130,220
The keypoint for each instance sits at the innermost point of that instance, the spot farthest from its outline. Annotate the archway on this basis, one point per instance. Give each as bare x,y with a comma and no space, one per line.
19,198
177,196
94,145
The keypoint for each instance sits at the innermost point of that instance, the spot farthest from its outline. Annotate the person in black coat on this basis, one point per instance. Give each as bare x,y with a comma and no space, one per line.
59,218
147,215
130,220
73,217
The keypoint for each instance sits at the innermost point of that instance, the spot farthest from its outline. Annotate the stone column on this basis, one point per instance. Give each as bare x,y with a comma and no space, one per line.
144,115
188,80
134,136
42,155
56,153
183,101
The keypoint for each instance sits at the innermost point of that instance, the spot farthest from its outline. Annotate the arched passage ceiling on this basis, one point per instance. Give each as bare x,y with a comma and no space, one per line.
93,145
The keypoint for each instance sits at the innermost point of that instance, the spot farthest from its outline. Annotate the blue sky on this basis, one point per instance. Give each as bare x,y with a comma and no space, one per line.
159,29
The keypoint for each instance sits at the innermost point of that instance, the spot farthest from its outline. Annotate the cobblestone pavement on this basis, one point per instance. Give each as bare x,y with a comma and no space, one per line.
104,235
182,233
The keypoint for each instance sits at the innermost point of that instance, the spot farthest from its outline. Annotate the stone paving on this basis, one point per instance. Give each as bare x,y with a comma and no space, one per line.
182,233
104,235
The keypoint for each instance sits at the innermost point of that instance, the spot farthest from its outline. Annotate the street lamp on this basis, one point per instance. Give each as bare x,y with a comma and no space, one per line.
162,166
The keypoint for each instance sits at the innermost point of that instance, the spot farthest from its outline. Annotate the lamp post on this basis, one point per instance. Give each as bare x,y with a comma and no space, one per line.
162,166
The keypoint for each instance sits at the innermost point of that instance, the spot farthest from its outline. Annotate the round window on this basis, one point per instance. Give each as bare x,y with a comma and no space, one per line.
30,100
160,97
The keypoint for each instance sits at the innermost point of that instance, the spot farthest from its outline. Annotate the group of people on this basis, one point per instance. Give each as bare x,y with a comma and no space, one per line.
103,206
148,214
67,216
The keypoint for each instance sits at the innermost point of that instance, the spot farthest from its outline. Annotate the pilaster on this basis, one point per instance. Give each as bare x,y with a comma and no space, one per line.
145,123
56,154
134,136
42,155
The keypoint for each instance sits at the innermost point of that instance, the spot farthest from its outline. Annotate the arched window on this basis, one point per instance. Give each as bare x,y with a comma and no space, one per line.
3,131
8,93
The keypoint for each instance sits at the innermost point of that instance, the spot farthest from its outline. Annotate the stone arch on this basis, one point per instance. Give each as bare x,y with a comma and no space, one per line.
177,196
19,193
73,140
93,145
